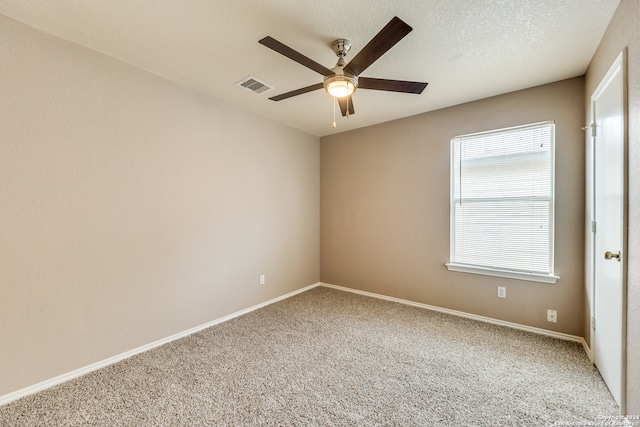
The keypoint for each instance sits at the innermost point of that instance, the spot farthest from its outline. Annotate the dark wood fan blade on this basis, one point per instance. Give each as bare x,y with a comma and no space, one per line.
346,102
391,34
391,85
285,50
297,92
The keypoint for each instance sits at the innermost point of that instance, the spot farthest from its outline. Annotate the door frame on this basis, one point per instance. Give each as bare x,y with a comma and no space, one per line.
621,64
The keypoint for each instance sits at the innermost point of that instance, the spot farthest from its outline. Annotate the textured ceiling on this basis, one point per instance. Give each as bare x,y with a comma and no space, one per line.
464,49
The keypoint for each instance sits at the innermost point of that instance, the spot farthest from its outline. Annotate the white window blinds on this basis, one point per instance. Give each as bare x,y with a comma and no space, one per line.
502,199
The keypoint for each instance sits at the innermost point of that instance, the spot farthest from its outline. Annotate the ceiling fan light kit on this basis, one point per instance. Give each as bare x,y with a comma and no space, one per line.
340,86
342,80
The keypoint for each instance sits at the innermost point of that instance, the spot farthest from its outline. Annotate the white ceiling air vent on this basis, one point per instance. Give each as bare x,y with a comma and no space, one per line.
254,85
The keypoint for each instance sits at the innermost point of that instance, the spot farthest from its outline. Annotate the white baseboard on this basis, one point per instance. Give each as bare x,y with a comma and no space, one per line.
484,319
587,349
103,363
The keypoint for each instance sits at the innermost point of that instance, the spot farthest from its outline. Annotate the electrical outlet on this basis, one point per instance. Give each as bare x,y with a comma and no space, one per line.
262,279
552,316
502,292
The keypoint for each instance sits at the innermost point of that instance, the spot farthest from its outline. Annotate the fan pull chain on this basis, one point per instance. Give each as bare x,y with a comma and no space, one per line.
347,107
335,101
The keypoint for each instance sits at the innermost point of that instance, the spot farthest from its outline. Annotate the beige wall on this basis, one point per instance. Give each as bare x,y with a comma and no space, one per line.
624,32
385,209
132,208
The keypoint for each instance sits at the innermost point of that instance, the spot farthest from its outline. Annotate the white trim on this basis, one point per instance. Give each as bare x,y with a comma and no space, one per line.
486,271
613,70
590,354
540,331
104,363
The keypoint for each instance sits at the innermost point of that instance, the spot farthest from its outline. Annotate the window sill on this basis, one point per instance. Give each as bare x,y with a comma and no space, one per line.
532,277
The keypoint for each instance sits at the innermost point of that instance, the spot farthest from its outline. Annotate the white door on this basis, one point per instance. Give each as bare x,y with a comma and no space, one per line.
609,239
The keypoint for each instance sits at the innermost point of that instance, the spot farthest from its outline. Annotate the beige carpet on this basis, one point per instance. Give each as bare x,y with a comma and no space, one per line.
327,357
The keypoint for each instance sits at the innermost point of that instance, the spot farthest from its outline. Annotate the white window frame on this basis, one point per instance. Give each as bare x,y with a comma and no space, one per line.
504,272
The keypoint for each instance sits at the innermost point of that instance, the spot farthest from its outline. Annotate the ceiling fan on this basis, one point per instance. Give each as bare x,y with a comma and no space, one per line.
343,79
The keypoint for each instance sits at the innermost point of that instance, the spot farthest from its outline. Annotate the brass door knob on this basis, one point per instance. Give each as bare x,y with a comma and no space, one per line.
609,255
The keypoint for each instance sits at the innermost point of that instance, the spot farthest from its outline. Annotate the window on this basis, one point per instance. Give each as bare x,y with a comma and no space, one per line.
502,203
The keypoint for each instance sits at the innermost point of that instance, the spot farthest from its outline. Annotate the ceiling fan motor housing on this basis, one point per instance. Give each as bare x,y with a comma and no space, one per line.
341,47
